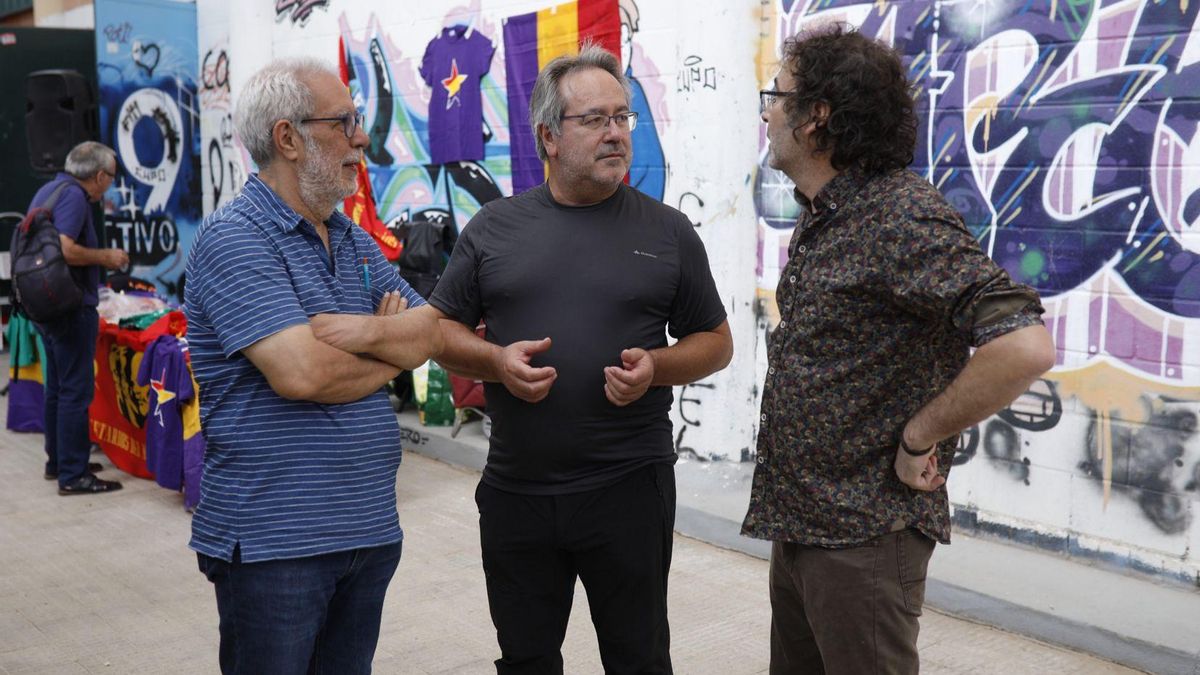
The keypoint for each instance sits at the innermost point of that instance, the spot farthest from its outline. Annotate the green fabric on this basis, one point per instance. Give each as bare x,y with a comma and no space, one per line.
24,344
143,321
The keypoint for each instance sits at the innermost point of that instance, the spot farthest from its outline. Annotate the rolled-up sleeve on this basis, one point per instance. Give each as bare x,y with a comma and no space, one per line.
938,271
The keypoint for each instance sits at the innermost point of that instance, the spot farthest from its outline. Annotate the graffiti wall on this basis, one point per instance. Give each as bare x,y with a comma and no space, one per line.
150,114
224,163
1065,131
1066,135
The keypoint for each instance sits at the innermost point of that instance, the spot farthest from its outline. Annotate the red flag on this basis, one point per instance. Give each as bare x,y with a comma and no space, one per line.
360,206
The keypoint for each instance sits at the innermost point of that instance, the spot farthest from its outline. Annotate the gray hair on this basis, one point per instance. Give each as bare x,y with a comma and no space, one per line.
89,158
546,105
277,92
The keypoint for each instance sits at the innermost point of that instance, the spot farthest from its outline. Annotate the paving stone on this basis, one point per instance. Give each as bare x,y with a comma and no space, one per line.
106,584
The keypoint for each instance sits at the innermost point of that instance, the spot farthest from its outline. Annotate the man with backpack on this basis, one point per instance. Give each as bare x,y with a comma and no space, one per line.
70,339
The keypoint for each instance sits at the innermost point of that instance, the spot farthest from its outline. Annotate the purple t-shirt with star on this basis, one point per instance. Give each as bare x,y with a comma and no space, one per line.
174,447
454,63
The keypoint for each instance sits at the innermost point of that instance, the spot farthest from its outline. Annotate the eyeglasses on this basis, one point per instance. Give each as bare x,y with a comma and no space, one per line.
625,121
767,98
351,122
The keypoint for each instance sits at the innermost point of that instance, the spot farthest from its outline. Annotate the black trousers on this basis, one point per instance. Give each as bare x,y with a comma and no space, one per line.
617,540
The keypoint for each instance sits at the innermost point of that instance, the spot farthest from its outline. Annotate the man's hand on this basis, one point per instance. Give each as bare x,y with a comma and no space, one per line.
628,383
351,332
919,472
115,259
522,380
392,303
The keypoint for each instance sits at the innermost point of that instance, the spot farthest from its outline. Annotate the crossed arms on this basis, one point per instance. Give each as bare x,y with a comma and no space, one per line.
339,358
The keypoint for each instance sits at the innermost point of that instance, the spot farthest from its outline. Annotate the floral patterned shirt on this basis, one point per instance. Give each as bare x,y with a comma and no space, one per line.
883,295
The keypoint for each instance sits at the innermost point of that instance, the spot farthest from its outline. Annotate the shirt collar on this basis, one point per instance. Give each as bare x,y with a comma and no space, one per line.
284,216
837,192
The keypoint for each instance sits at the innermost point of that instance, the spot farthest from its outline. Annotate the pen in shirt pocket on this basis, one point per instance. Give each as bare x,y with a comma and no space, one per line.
367,274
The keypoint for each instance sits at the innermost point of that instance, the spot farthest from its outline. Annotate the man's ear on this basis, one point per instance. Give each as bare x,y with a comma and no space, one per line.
548,140
820,115
288,143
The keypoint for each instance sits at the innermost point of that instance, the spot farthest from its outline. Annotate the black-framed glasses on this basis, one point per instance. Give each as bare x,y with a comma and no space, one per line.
625,121
351,122
768,97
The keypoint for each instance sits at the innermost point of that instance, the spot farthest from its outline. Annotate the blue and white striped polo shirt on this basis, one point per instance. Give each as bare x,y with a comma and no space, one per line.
285,479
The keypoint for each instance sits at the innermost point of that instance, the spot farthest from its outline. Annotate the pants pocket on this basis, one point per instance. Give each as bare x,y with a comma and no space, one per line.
913,551
664,483
213,569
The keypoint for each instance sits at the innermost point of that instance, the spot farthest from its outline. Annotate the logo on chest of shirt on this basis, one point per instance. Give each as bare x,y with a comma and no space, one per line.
163,396
453,84
644,254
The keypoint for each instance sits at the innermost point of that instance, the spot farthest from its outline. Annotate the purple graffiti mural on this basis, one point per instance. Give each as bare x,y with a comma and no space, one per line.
1066,135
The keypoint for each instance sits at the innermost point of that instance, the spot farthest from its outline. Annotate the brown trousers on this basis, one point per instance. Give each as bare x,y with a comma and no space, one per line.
851,610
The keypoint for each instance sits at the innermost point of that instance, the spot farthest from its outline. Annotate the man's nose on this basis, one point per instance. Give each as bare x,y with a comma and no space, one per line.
613,131
360,139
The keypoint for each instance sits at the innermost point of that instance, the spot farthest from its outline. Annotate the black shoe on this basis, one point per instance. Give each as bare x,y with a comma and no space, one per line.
89,484
93,467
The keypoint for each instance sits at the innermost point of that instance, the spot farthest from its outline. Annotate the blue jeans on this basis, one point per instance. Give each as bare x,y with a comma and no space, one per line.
70,381
318,614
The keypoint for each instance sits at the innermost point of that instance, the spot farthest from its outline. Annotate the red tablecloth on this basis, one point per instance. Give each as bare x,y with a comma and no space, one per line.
119,407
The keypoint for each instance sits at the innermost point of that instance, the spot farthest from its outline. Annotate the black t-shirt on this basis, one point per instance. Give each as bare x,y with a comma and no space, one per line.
597,280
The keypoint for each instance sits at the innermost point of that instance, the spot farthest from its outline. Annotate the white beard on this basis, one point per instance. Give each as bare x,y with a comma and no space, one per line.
321,183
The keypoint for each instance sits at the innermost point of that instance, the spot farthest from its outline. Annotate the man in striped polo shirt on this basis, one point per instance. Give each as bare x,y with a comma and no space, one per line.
297,526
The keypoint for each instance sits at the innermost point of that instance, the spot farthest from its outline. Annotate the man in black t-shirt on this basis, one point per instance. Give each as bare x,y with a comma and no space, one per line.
579,280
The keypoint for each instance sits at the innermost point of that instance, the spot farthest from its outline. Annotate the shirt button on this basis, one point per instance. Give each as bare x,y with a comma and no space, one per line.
762,460
763,417
771,371
833,205
802,249
782,324
792,278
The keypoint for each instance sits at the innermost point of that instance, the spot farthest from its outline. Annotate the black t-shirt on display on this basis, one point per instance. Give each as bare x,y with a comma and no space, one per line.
597,280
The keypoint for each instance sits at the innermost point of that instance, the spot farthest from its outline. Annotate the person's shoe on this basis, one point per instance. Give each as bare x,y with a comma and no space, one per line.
93,467
89,484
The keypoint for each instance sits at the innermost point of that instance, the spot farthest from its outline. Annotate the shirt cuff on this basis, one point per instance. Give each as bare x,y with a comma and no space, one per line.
1030,315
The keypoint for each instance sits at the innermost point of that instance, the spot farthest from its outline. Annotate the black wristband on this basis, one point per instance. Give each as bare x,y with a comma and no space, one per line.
915,453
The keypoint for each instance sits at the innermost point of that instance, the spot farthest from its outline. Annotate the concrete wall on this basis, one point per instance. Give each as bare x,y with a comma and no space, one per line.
1066,133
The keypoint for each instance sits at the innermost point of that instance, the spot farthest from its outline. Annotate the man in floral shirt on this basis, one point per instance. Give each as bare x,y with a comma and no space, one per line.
870,374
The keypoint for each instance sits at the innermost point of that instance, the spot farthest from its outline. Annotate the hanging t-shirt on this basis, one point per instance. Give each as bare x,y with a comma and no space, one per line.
174,444
454,63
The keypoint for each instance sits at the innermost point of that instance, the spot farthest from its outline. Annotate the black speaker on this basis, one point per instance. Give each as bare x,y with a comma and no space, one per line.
60,113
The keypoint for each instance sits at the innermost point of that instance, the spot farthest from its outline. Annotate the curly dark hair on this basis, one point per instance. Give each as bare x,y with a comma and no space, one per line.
872,122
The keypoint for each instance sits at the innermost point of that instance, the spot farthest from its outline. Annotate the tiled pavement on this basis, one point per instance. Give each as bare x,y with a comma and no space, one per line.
106,584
